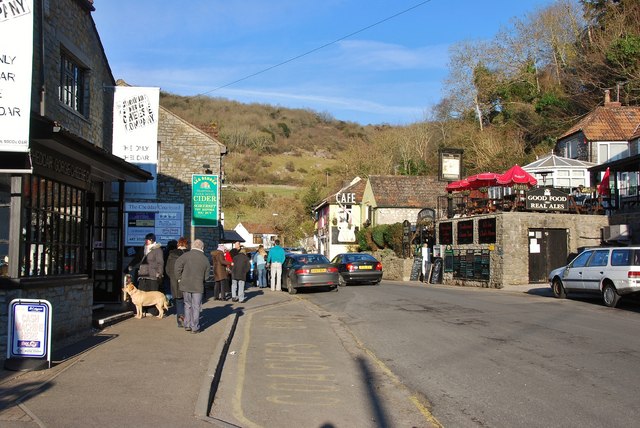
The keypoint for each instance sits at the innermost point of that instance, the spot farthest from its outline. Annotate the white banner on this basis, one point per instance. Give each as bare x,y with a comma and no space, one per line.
16,58
135,124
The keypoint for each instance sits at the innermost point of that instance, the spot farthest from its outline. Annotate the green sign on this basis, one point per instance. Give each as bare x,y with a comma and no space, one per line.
205,195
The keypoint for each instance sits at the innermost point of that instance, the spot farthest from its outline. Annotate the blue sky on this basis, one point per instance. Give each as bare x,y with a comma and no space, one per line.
390,73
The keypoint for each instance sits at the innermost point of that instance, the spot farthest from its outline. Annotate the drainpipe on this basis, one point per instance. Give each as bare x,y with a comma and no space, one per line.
43,90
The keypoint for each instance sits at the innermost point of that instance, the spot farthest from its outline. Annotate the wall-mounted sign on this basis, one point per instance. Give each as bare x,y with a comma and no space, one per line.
445,233
16,65
166,221
205,195
346,198
547,199
487,230
465,232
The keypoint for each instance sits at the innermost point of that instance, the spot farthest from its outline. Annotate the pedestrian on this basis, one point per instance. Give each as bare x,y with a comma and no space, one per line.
220,274
235,250
165,287
239,270
151,267
227,284
192,269
178,298
275,259
260,263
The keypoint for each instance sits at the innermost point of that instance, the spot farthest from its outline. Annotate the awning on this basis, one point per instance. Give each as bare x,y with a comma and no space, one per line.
104,166
628,164
15,163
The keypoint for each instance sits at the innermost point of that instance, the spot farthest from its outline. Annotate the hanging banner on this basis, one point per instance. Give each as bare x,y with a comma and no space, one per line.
205,194
16,63
135,134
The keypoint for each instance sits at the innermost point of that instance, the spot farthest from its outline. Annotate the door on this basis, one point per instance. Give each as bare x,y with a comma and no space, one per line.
595,269
106,248
547,251
573,277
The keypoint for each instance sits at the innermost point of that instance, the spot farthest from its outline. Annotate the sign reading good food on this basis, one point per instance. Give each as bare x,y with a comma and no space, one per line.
547,199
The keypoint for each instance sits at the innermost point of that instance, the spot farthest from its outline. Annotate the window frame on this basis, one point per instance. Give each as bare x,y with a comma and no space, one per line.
72,91
54,225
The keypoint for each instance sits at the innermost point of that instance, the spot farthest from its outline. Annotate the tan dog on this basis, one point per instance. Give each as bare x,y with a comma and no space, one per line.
146,298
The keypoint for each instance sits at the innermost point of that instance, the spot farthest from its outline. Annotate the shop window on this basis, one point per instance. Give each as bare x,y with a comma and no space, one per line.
5,212
73,85
53,228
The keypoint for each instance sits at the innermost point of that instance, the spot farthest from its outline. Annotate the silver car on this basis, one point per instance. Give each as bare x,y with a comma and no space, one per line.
611,272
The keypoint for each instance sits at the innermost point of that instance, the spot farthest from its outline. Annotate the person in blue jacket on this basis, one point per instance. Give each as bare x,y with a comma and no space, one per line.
275,258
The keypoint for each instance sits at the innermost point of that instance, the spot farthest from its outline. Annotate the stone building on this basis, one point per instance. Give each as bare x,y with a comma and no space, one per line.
56,166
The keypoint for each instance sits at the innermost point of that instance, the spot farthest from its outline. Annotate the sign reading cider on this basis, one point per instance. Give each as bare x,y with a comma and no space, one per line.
547,199
205,193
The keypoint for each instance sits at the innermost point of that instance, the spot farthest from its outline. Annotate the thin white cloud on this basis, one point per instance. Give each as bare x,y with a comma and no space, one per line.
379,55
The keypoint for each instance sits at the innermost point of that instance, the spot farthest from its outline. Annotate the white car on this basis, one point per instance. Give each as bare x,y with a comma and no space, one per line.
610,271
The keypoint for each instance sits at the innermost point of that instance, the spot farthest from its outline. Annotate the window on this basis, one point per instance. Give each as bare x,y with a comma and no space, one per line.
600,258
571,149
72,84
612,151
582,259
5,207
53,228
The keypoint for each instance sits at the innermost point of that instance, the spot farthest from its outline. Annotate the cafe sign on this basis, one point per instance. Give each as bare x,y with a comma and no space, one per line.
547,199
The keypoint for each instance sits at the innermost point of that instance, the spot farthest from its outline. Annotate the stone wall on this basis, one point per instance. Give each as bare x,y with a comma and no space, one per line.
394,268
71,311
632,219
509,255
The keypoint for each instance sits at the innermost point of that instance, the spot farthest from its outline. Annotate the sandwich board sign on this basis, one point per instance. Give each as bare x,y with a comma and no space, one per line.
29,330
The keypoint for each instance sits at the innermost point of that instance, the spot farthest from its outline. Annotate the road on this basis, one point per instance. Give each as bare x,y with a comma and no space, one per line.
500,358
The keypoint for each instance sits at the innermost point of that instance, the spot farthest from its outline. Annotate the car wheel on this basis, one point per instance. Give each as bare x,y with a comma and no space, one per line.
609,295
376,282
558,289
290,288
341,281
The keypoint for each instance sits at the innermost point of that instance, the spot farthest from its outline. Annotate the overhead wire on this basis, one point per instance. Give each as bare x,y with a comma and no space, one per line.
316,49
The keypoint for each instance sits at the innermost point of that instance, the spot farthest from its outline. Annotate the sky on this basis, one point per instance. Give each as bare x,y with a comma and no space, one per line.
335,57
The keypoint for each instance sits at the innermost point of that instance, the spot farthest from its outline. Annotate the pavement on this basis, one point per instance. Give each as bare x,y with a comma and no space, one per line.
274,360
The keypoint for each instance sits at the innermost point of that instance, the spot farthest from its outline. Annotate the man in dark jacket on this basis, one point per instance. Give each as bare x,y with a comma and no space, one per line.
152,266
239,270
192,270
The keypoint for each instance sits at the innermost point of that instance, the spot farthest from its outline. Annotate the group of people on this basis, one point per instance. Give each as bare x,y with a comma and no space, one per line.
187,270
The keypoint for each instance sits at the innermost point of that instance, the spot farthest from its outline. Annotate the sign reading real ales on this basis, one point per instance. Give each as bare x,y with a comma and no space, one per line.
547,199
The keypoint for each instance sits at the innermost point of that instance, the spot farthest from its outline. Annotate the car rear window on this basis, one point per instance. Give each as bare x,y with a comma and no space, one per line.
308,259
358,258
625,257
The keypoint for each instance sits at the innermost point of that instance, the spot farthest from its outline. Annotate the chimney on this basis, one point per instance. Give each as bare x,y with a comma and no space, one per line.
607,100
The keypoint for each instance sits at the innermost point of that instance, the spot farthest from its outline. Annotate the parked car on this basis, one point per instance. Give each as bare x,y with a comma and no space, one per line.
308,270
357,267
612,272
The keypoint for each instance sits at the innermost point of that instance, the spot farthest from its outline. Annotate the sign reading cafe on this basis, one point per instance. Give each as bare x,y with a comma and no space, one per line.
547,199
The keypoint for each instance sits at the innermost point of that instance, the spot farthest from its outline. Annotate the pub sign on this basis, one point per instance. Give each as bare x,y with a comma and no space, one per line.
547,199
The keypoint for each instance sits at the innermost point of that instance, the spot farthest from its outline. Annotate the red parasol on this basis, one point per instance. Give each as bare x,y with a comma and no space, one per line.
458,185
483,179
604,188
516,175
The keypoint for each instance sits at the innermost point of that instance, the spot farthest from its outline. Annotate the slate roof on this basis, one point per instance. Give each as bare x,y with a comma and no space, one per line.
401,191
608,123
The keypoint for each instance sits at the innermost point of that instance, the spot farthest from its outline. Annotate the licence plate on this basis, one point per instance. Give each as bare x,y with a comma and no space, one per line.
365,267
318,270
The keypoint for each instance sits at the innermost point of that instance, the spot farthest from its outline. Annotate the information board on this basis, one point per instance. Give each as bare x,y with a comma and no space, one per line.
416,269
166,221
472,264
29,329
